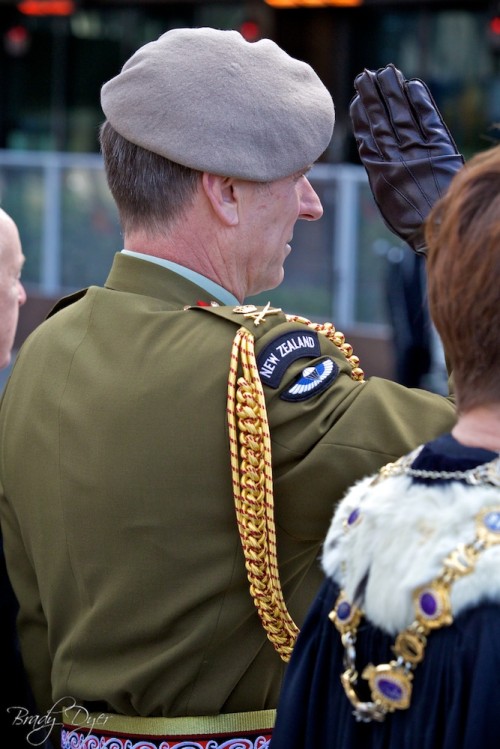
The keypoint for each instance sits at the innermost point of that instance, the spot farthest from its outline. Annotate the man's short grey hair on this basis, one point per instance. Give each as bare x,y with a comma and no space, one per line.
150,191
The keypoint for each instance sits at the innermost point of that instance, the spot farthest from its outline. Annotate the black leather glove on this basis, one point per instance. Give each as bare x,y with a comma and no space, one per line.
405,147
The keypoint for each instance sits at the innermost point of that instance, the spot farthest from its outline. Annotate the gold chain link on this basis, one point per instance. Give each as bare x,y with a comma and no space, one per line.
252,478
250,448
335,336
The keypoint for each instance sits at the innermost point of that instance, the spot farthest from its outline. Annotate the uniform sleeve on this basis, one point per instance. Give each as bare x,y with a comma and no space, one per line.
326,438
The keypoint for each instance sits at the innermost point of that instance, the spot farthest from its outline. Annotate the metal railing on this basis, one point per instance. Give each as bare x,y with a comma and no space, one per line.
69,230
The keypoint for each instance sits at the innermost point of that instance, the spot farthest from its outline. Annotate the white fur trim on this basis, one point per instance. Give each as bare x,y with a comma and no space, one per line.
399,543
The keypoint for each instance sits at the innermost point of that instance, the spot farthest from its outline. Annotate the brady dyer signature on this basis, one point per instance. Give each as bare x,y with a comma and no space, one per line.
41,726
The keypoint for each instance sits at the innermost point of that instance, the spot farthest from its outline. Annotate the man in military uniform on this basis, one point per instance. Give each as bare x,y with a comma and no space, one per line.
170,455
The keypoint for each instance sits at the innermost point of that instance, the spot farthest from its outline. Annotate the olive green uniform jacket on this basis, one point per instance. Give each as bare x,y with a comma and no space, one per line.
116,491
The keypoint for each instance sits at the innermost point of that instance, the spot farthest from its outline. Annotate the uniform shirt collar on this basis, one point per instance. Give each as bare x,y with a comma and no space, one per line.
203,282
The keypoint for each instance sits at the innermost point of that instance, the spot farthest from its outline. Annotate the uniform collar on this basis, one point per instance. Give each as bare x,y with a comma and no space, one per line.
212,288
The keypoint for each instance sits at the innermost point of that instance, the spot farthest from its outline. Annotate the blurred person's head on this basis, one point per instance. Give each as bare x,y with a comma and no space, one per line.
463,238
12,293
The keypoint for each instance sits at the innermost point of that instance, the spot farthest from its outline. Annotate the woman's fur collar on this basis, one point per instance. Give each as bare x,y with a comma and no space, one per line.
404,532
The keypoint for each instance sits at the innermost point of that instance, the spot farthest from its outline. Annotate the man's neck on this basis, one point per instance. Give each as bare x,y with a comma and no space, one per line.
198,251
215,290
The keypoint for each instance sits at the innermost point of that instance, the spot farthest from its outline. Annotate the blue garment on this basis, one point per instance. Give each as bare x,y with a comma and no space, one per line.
456,689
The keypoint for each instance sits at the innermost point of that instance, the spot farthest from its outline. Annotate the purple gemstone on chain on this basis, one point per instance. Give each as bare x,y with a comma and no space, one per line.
390,689
428,604
492,521
353,516
344,611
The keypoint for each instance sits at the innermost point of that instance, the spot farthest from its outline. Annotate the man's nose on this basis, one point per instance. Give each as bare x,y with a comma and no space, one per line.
310,204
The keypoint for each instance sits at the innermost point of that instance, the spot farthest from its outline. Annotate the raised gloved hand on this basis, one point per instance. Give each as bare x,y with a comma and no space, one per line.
406,148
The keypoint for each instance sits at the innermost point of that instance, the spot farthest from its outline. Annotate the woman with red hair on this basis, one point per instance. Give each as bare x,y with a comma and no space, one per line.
401,648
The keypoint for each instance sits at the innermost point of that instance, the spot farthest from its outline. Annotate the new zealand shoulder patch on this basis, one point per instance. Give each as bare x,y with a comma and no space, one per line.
312,380
274,360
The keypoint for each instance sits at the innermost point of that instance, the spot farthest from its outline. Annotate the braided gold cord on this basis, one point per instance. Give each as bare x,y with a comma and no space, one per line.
336,337
250,447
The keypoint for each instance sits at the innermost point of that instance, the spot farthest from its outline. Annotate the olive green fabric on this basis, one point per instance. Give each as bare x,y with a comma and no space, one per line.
116,495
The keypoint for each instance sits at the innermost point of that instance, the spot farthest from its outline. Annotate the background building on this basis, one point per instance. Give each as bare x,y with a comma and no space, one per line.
55,55
52,66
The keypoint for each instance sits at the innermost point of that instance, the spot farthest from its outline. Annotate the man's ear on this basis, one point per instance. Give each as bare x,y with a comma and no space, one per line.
220,192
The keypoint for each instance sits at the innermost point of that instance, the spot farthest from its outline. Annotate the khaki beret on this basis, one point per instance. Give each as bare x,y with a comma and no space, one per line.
210,100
